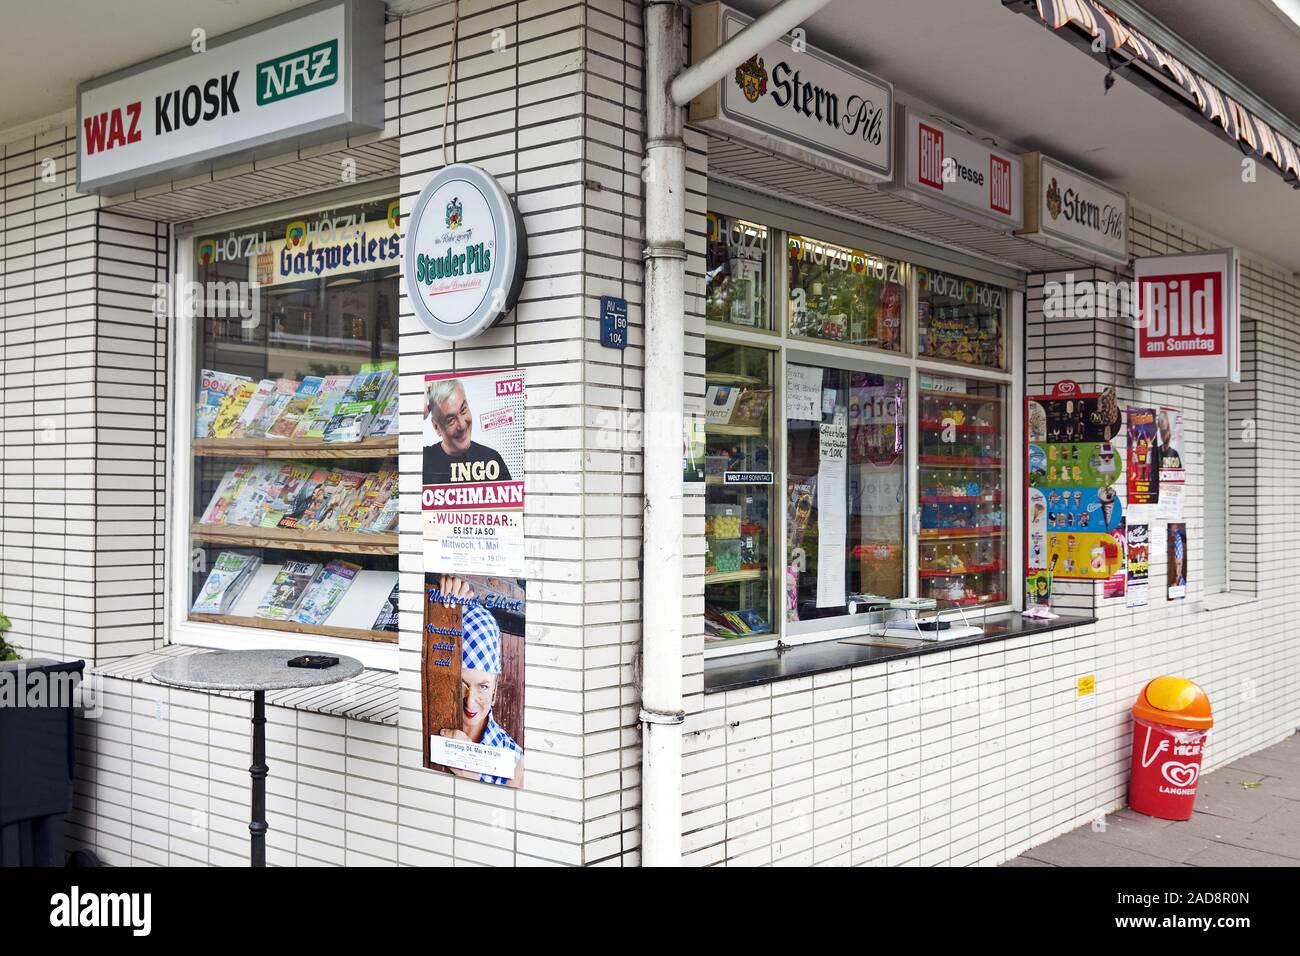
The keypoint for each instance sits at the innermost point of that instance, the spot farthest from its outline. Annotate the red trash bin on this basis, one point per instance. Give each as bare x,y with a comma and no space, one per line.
1170,721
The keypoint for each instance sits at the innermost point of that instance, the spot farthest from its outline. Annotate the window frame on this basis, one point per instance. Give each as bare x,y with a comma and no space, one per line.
906,364
179,493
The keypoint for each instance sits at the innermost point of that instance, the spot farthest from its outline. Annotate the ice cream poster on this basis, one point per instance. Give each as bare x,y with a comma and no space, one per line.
472,677
1074,526
1143,476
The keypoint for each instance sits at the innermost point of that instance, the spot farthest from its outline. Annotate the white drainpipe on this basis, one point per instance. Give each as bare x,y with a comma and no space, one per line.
668,89
665,387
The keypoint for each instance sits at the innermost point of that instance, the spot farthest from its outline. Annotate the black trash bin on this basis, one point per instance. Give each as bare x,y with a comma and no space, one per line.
36,759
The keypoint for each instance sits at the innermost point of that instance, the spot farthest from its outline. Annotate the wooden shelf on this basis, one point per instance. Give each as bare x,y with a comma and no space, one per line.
385,447
946,534
934,425
384,542
928,393
940,461
732,577
352,633
731,378
945,572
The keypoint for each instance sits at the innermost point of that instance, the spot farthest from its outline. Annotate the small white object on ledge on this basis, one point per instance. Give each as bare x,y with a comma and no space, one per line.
1040,612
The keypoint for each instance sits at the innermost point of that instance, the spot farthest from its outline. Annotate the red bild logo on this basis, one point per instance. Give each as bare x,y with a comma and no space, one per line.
1000,185
1181,314
930,156
511,386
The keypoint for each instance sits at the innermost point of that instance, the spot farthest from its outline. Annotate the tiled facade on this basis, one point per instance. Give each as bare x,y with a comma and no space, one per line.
964,757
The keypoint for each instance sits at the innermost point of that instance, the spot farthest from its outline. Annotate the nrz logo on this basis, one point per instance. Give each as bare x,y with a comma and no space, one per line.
302,72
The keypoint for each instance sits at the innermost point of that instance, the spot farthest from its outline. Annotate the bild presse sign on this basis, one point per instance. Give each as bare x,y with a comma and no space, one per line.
466,253
796,100
1188,325
947,169
306,77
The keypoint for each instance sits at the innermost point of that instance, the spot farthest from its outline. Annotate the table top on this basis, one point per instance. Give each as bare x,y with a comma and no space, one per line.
250,670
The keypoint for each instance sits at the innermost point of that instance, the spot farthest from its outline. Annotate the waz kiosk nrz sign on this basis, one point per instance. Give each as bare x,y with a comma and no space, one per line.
311,76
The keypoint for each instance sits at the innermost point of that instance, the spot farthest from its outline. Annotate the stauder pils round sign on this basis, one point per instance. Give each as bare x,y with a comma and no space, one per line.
466,253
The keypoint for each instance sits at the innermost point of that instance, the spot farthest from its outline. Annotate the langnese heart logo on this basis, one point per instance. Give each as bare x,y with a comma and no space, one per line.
1180,774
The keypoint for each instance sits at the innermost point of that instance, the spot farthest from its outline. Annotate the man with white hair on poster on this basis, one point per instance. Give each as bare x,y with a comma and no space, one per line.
457,458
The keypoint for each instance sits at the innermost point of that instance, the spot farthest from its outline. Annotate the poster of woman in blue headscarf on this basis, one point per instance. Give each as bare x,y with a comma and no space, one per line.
472,685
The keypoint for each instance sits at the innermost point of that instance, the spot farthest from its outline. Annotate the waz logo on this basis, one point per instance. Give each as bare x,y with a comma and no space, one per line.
302,72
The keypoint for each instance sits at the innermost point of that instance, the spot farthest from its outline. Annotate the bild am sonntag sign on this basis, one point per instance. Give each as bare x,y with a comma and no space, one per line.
312,75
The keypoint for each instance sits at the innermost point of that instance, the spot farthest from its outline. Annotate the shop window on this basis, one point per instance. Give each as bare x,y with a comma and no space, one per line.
739,480
963,532
846,491
294,425
960,320
736,283
839,294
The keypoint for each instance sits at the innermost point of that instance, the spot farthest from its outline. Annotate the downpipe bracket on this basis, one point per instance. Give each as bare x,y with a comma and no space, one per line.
667,718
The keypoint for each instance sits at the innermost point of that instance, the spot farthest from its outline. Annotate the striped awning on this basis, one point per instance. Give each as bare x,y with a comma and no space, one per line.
1092,20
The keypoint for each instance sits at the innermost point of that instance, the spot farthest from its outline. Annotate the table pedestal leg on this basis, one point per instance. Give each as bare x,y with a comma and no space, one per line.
258,772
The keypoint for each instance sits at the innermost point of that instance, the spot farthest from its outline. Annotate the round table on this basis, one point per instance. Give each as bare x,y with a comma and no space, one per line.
258,671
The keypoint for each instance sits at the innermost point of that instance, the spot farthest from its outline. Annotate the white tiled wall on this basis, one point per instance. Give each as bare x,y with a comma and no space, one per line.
964,756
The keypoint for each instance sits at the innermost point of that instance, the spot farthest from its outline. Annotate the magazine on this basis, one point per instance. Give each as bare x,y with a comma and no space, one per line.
255,495
232,406
281,602
387,619
229,488
326,591
369,500
213,388
285,389
286,423
350,422
385,422
302,493
230,575
386,518
290,492
364,401
321,511
265,389
321,409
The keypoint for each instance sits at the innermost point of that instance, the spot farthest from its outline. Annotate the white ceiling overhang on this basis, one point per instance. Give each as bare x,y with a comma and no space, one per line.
1007,78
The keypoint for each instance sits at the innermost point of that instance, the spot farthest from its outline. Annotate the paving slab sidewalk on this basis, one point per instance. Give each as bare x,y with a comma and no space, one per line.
1247,814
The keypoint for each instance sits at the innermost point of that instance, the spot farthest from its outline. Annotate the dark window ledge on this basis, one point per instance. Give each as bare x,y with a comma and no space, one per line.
763,667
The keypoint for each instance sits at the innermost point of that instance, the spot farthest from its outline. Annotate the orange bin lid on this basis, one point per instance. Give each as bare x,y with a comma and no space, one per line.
1175,702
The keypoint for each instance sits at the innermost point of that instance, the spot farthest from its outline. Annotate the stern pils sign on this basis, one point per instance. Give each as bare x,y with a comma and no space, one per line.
313,75
1066,209
1188,322
945,168
796,100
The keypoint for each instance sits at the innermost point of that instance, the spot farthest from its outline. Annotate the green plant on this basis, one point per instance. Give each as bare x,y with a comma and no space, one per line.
7,650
